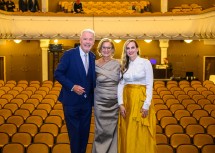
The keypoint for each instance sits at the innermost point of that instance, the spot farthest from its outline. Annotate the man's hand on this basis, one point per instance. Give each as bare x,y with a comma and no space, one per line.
78,89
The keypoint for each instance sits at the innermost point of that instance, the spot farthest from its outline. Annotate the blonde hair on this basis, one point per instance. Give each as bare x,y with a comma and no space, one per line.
124,56
102,41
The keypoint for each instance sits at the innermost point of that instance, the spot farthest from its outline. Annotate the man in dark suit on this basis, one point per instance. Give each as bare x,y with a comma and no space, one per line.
76,73
77,7
2,5
23,5
10,6
33,6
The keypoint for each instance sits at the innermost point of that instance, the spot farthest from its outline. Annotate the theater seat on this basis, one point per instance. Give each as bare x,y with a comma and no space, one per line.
49,127
164,148
202,139
46,138
187,148
172,129
178,139
211,130
5,139
22,137
186,120
62,138
30,128
208,148
193,129
13,148
8,128
61,147
38,148
15,119
161,138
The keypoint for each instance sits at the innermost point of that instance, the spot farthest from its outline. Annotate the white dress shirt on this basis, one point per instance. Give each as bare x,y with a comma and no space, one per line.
82,54
139,72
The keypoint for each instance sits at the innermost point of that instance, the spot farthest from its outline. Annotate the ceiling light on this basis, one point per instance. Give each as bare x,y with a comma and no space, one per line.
117,40
56,41
17,41
188,41
147,40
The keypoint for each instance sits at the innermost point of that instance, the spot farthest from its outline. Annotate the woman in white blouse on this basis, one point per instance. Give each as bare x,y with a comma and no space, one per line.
137,122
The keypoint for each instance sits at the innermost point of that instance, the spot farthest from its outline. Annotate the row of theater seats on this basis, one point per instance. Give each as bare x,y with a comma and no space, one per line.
32,118
185,113
187,8
116,7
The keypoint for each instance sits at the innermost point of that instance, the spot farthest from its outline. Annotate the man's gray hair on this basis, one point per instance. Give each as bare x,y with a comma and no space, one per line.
88,30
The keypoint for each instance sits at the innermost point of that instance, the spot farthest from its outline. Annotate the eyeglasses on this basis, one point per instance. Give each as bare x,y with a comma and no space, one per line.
108,48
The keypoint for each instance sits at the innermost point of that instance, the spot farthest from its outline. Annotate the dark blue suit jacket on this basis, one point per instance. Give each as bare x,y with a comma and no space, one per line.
33,7
23,6
70,72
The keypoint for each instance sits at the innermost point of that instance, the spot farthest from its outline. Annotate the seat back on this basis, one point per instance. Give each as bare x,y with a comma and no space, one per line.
16,119
61,147
202,139
13,148
164,148
187,148
208,148
62,138
50,127
161,138
44,137
30,128
211,130
8,128
38,148
172,129
186,120
193,129
178,139
22,137
5,138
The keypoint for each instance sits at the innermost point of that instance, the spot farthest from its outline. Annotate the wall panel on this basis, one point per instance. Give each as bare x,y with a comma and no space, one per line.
23,61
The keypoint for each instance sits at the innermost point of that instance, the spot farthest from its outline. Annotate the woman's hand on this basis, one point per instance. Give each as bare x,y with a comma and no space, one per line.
122,110
144,112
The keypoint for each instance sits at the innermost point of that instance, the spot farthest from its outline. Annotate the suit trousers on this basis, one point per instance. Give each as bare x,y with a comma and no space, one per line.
78,126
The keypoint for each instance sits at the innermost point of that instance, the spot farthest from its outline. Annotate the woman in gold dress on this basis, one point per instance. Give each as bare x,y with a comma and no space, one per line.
105,104
137,122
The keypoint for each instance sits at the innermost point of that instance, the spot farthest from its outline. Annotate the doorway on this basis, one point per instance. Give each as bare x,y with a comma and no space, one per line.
208,67
2,68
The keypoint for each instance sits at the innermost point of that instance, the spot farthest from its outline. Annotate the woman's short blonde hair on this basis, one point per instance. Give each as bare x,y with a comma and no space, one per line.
102,41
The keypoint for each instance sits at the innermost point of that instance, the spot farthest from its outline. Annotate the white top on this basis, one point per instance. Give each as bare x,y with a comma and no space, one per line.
139,72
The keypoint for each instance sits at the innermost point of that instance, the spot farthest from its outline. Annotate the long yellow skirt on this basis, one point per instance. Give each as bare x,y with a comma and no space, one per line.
135,133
